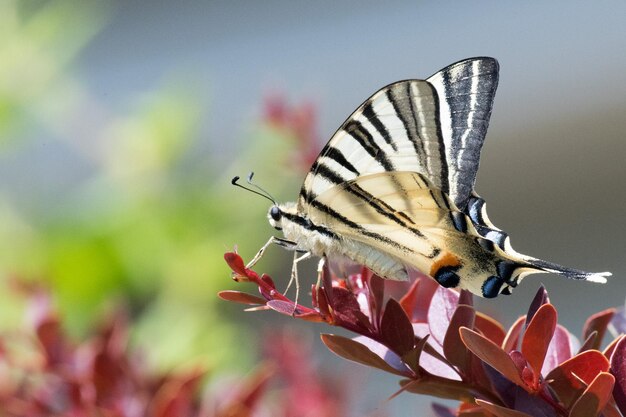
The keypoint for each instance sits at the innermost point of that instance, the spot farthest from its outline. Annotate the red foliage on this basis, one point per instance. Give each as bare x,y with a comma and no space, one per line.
436,341
303,392
44,373
298,122
47,374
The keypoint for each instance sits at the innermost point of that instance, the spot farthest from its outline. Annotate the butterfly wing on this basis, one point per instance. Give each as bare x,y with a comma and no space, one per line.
403,215
398,177
435,127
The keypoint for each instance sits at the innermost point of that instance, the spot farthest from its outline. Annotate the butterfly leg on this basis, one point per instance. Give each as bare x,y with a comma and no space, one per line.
320,271
287,244
294,276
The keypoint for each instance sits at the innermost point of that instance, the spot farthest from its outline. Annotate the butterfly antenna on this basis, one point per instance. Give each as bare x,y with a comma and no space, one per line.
261,191
258,187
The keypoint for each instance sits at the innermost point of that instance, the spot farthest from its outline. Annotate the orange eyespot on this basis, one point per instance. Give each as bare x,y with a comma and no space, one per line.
444,270
447,259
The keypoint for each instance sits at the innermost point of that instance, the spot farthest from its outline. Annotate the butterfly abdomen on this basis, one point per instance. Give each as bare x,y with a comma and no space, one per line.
320,241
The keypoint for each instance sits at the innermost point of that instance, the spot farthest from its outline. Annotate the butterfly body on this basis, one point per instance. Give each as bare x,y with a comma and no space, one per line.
320,241
394,188
463,259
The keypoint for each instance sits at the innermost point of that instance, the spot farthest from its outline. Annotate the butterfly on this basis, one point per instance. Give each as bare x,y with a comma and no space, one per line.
393,189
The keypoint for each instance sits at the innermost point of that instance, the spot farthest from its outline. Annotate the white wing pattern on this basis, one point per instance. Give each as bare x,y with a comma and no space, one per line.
394,187
435,127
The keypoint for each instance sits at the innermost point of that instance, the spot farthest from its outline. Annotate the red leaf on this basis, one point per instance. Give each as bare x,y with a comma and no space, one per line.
471,411
618,322
589,342
595,397
250,393
453,348
586,366
491,354
110,366
618,369
235,263
347,312
518,359
412,358
490,328
572,376
540,299
611,410
442,307
356,352
434,361
175,397
598,322
537,337
375,294
608,351
388,355
511,340
465,297
322,301
284,307
410,299
438,387
559,350
471,408
417,300
241,297
396,329
269,282
500,411
52,339
44,319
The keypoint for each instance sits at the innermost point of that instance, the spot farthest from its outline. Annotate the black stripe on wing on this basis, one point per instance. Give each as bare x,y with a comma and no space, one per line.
368,112
477,213
339,157
416,105
368,199
400,97
435,127
465,93
383,208
365,140
327,172
357,227
377,204
363,136
305,223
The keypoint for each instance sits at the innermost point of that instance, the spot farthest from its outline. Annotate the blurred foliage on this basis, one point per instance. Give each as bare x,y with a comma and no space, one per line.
38,41
140,212
43,372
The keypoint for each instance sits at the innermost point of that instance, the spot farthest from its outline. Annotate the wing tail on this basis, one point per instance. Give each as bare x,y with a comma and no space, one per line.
571,273
477,212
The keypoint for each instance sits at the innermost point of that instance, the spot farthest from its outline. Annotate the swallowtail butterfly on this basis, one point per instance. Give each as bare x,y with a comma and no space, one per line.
393,189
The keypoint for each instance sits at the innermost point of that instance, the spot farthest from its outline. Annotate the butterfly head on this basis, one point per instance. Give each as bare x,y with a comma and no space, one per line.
280,214
275,217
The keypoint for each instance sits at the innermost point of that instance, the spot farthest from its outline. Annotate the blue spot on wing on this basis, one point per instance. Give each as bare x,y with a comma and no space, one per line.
491,286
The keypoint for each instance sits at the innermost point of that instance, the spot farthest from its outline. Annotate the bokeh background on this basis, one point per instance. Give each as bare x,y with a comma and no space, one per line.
122,122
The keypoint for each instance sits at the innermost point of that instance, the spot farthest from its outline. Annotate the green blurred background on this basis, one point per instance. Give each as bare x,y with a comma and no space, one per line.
122,123
117,201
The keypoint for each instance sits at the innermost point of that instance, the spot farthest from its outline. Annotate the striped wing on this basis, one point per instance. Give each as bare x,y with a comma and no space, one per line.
435,127
402,214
